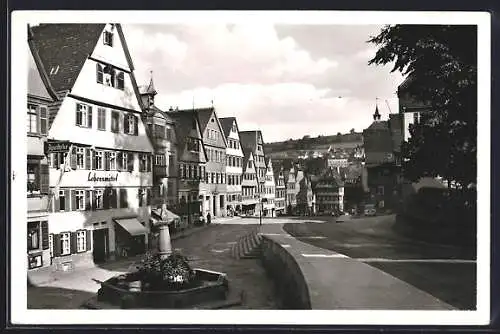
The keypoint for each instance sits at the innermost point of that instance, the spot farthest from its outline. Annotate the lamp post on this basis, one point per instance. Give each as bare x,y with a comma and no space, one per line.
262,201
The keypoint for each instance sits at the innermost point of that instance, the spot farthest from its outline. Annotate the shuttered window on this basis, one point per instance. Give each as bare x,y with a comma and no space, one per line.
100,74
44,125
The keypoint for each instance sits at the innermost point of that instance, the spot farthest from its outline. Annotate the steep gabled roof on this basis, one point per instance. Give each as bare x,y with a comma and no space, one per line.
380,125
203,115
41,69
227,124
407,81
249,139
65,47
246,156
183,126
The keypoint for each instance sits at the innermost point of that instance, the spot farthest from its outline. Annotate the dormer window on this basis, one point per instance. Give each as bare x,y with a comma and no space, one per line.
54,70
108,38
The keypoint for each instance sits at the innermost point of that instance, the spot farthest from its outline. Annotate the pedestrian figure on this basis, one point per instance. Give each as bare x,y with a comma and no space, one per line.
209,218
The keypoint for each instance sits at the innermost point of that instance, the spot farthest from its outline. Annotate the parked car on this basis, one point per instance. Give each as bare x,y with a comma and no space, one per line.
370,210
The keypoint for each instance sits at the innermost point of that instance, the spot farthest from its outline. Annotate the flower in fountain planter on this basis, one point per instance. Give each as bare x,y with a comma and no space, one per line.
171,271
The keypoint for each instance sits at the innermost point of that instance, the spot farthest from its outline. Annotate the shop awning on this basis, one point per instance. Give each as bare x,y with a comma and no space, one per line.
131,225
164,215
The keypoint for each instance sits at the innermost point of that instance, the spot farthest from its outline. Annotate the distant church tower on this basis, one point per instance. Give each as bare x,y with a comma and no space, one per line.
376,115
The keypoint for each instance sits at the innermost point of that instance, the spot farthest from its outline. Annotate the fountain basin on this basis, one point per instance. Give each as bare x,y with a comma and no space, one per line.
126,291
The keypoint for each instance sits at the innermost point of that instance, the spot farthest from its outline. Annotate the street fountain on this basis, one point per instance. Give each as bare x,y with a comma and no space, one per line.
165,280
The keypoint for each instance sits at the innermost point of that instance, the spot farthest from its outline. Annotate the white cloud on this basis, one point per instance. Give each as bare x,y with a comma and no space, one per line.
267,80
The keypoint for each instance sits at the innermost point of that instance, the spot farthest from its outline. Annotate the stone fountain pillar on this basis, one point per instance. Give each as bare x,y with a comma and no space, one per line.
164,242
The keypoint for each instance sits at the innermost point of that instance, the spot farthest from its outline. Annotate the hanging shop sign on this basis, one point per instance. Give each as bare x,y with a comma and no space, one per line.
56,146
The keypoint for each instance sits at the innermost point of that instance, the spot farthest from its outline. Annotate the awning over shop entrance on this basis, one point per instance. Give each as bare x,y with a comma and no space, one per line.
131,225
164,215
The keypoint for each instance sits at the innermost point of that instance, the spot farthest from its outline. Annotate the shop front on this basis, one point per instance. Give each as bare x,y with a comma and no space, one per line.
130,236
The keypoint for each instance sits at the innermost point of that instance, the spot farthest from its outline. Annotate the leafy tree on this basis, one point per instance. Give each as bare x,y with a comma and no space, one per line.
352,131
441,64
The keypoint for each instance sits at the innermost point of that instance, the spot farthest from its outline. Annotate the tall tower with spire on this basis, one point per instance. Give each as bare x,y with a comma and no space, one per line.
148,93
376,115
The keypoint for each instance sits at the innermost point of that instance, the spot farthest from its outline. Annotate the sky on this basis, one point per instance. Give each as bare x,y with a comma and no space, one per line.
286,80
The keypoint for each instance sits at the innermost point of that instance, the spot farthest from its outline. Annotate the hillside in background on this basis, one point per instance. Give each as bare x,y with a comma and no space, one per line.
293,148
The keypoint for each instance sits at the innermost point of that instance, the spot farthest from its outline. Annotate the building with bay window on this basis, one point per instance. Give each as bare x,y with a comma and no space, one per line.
99,154
161,130
40,95
191,169
234,164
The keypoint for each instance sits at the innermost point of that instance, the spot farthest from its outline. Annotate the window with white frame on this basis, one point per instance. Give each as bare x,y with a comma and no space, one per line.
32,119
82,114
80,199
81,241
98,157
65,243
159,160
80,158
124,160
131,124
98,198
112,160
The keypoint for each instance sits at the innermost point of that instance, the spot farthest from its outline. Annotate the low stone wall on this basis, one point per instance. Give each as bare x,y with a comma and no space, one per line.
286,274
308,277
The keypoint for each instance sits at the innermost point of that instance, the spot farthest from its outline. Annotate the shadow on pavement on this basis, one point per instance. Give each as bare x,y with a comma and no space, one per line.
55,298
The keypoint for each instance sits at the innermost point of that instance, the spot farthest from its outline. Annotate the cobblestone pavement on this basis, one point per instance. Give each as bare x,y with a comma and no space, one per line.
446,272
211,249
208,248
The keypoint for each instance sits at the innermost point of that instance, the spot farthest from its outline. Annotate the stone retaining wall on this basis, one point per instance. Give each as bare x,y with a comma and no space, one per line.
286,274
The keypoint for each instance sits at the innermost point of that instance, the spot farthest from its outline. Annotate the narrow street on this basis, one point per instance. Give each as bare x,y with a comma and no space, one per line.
446,272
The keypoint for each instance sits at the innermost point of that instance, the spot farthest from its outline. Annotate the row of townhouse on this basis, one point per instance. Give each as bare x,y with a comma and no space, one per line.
105,164
300,194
